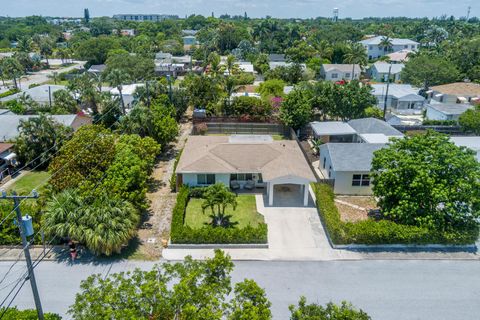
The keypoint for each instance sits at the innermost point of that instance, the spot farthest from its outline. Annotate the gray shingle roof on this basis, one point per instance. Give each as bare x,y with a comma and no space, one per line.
397,91
351,156
450,108
383,67
340,67
39,94
372,125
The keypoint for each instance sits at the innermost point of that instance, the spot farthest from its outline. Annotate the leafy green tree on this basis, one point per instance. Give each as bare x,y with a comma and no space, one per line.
386,44
86,87
300,52
95,50
104,224
426,71
39,138
217,198
46,47
470,120
250,107
271,88
11,69
201,90
296,111
117,78
27,314
373,112
82,161
194,290
137,67
428,181
261,63
331,311
292,74
64,103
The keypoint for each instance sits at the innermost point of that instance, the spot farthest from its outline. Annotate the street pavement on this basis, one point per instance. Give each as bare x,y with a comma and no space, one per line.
386,289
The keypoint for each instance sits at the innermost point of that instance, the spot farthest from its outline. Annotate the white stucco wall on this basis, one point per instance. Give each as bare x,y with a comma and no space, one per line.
374,51
343,184
433,114
191,179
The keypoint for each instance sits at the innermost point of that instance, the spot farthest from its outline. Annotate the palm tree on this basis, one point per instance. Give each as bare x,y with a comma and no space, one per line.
84,87
356,55
46,48
386,44
214,61
116,78
325,50
231,66
218,197
12,68
24,44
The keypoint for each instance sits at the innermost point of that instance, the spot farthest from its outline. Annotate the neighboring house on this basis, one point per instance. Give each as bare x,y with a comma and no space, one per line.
375,50
245,161
9,123
127,32
469,142
246,66
128,92
97,68
399,56
457,92
189,40
163,57
404,120
275,64
41,94
379,71
401,98
277,57
337,72
144,17
446,111
189,32
349,165
7,159
347,152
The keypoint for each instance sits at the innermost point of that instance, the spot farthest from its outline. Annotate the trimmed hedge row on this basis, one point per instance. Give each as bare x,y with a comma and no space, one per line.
379,232
173,177
182,234
9,93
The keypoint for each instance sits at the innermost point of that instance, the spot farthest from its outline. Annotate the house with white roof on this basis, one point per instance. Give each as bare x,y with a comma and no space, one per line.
401,98
42,94
380,71
446,111
347,151
472,143
337,72
128,91
375,50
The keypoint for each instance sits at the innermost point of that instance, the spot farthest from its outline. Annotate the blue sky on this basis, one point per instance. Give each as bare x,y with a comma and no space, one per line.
254,8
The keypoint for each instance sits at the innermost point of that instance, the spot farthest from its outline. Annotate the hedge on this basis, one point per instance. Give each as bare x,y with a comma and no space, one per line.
440,123
9,93
380,232
182,234
173,177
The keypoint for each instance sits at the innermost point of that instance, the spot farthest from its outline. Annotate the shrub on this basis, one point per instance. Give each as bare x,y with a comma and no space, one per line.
201,128
9,93
33,85
173,178
381,232
440,123
29,314
207,234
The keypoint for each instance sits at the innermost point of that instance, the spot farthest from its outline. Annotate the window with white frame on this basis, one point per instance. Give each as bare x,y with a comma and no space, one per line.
241,176
205,179
347,75
334,75
362,180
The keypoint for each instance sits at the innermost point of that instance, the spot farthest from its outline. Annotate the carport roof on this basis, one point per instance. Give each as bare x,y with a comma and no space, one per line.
220,154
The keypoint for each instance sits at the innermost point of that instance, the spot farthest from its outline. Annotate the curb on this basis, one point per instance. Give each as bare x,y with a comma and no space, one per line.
218,246
405,247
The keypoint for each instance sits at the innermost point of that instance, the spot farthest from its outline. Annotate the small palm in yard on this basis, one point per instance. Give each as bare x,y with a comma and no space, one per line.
218,197
117,78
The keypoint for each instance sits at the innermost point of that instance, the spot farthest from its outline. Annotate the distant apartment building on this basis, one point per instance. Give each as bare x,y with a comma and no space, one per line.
144,17
375,48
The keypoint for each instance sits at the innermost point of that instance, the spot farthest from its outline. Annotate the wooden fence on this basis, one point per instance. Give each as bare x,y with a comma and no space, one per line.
244,128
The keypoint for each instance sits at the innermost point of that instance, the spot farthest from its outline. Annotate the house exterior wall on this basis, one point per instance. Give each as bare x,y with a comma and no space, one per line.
339,75
446,98
325,164
190,179
374,51
433,114
343,184
382,76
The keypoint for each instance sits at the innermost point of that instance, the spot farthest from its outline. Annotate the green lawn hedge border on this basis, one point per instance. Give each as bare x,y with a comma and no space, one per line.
9,93
173,177
182,234
371,232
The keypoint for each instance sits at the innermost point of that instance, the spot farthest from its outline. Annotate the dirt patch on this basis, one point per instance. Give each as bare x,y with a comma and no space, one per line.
364,202
350,214
311,157
353,209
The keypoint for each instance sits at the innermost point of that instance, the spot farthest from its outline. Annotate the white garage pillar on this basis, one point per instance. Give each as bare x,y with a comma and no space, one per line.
305,194
270,194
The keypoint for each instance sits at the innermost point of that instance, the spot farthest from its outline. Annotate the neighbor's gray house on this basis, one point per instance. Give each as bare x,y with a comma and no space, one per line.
379,71
245,162
401,98
42,94
346,155
472,143
446,111
337,72
9,123
375,50
457,92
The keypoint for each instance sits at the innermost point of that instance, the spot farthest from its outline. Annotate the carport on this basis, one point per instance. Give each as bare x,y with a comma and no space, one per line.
288,181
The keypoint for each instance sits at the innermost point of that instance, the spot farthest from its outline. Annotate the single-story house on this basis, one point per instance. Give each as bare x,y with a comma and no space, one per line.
333,131
189,40
349,165
189,32
9,123
336,72
401,98
42,94
446,111
457,92
97,68
275,64
128,92
399,56
163,57
404,120
469,142
379,71
245,161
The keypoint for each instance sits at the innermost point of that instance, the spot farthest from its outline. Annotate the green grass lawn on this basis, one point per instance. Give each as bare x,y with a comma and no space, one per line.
29,181
245,213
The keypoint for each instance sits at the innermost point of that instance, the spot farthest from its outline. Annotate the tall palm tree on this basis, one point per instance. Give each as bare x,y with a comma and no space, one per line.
12,69
24,44
356,55
116,78
231,66
386,44
46,48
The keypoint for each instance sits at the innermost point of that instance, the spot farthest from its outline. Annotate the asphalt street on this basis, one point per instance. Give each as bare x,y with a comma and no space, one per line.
397,289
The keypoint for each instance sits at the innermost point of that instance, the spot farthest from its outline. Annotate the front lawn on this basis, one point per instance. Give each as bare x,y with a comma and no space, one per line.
245,213
29,181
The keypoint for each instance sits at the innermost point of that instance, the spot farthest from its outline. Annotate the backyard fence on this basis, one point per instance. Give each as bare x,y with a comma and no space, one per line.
241,128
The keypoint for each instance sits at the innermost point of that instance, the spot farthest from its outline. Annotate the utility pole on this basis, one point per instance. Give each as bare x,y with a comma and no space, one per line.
50,97
23,233
386,93
169,78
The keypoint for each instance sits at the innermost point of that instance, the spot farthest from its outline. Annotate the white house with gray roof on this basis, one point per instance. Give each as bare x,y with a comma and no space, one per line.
375,50
401,98
337,72
446,111
379,71
41,94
